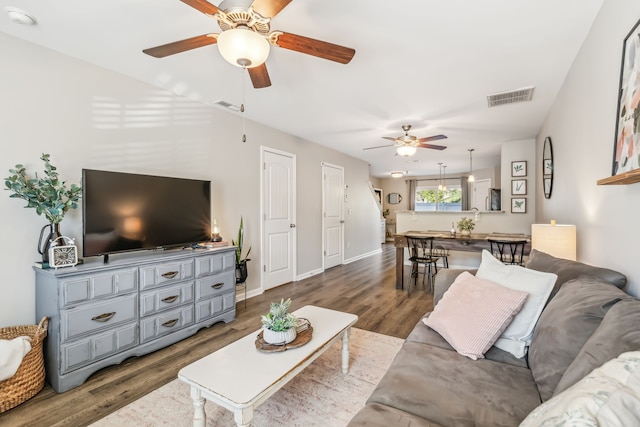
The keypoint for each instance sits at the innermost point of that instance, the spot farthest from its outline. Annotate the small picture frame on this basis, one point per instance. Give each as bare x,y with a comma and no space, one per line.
519,168
518,187
519,205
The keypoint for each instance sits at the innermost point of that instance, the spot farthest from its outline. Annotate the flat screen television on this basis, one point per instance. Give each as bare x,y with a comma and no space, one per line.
128,212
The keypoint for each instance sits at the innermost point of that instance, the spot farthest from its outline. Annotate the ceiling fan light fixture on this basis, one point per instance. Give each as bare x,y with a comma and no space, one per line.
243,47
407,150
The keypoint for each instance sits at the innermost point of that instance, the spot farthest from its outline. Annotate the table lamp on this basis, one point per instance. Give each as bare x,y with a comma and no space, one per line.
215,232
558,240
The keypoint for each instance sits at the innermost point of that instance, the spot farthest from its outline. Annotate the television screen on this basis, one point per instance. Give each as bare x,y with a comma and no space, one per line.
126,212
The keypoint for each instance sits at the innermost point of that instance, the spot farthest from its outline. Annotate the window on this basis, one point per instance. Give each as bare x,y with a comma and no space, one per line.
429,197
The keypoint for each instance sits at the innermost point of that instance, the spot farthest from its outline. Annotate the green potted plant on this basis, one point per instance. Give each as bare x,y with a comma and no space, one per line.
466,226
279,326
48,195
241,261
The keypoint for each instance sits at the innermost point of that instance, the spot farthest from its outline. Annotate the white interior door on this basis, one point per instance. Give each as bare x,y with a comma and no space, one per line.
333,214
481,195
278,205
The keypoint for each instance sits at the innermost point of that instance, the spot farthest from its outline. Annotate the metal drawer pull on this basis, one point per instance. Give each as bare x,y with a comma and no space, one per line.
170,274
170,323
170,299
104,317
218,285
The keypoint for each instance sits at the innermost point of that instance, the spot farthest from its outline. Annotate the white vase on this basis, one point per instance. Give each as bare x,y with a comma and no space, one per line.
465,232
279,337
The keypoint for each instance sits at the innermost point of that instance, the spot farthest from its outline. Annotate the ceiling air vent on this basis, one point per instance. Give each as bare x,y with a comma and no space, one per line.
510,97
227,105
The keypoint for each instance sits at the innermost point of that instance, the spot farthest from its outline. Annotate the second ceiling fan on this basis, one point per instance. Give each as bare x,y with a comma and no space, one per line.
246,23
408,144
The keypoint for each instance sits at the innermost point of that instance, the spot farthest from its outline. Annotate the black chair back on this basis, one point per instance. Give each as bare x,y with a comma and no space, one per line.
508,251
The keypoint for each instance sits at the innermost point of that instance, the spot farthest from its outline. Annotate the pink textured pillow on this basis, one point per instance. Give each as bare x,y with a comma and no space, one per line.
473,313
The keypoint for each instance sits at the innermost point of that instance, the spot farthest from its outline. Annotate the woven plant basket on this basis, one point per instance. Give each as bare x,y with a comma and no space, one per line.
29,378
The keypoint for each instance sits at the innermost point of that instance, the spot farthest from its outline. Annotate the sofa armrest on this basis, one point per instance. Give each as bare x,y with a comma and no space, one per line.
444,279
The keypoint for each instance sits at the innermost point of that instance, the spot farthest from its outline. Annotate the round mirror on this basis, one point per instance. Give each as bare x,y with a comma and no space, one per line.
547,168
394,198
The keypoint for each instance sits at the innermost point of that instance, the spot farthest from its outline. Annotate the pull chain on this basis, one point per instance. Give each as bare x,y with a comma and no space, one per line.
244,130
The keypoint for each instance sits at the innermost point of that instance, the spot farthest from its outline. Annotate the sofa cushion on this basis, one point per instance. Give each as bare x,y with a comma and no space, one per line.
609,396
567,270
564,327
452,390
538,285
473,313
443,281
376,415
618,333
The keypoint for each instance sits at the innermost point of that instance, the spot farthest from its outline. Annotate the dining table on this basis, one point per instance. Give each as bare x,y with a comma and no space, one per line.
474,242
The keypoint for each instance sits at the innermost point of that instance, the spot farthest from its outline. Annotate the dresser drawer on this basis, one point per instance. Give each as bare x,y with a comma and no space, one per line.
162,274
209,286
165,323
98,285
85,351
214,264
165,298
88,318
217,305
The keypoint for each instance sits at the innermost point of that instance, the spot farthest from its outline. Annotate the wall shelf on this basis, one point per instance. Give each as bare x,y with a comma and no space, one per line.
622,179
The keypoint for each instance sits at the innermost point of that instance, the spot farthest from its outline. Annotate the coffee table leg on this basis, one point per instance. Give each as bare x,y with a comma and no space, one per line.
345,351
199,417
243,417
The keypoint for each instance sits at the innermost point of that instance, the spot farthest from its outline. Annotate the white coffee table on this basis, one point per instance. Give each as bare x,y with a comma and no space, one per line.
239,377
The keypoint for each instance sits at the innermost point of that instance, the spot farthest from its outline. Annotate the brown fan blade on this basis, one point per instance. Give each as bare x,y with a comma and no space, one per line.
180,46
259,76
203,6
318,48
432,138
434,147
390,138
269,8
379,146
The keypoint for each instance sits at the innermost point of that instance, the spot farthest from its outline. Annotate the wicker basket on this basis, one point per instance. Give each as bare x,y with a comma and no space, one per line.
29,378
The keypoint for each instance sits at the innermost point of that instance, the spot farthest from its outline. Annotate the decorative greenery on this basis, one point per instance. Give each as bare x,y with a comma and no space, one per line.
466,224
239,244
278,320
48,195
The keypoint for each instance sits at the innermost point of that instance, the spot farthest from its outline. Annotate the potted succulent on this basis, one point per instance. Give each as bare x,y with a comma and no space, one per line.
48,195
466,226
278,326
241,262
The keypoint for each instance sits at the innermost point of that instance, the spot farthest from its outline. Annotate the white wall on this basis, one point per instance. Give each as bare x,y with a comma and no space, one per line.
88,117
581,125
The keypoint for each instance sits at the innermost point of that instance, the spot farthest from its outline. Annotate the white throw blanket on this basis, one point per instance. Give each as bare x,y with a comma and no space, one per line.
11,354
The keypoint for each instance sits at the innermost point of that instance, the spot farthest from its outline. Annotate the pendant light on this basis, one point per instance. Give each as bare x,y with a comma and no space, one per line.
444,178
440,177
471,177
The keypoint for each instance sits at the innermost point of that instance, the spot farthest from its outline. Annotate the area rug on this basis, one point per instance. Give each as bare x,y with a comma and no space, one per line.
320,395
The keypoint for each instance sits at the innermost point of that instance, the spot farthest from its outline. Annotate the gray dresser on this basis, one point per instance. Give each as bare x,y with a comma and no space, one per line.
100,314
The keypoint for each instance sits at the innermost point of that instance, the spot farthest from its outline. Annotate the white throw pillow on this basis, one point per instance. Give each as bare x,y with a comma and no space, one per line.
608,396
473,313
517,337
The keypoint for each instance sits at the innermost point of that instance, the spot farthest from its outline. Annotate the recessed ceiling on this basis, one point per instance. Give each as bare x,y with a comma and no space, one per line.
430,64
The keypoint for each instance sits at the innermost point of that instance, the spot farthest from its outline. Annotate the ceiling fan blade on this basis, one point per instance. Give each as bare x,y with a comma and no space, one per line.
390,138
259,76
269,8
434,147
203,6
180,46
320,49
379,146
432,138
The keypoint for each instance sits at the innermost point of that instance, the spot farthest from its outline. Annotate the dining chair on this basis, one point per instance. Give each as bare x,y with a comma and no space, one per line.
508,251
421,253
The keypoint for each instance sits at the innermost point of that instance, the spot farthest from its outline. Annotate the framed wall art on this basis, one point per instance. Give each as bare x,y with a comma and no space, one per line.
519,205
518,187
519,168
626,152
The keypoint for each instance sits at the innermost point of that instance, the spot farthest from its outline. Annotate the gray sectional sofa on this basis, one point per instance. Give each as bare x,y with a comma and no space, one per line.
587,321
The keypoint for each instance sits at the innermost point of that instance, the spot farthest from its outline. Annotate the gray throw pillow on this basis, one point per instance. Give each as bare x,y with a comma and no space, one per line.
565,326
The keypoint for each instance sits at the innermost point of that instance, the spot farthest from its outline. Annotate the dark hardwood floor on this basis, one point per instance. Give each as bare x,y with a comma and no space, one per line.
365,287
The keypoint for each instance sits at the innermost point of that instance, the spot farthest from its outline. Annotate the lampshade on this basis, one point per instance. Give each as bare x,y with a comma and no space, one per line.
407,150
556,240
243,47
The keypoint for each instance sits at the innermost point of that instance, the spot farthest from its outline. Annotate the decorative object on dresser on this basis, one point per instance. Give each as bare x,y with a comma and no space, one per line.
49,196
101,314
63,255
466,226
279,326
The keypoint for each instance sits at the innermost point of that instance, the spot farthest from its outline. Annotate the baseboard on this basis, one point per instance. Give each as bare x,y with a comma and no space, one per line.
368,254
250,294
309,274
